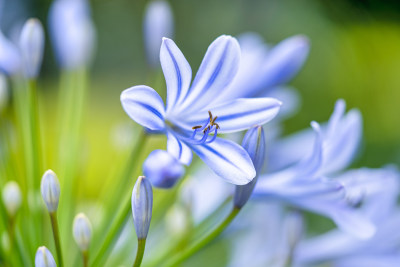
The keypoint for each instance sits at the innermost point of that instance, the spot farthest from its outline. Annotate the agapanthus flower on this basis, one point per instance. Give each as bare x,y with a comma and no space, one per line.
194,114
306,184
376,192
72,32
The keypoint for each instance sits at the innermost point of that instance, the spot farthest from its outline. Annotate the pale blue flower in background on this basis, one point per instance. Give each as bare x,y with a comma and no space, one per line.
31,45
195,112
26,56
305,184
158,22
72,33
376,192
10,60
162,169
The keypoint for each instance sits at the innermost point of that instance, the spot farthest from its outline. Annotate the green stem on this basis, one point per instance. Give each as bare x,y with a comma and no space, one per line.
56,234
179,258
113,233
35,131
85,257
139,252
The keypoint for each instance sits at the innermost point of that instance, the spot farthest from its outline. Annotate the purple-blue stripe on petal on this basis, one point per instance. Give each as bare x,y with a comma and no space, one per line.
178,74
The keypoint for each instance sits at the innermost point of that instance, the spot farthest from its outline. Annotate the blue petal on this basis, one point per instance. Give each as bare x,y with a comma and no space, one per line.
219,67
177,72
179,149
239,114
145,106
285,60
228,160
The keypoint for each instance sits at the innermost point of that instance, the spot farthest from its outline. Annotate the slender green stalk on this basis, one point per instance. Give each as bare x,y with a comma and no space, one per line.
113,233
139,252
35,131
56,234
179,258
85,257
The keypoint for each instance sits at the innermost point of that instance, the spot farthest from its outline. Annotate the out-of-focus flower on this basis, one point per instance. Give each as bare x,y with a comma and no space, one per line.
50,188
142,206
254,144
10,61
262,68
158,23
82,231
305,185
162,169
31,45
44,258
12,197
376,192
72,33
193,112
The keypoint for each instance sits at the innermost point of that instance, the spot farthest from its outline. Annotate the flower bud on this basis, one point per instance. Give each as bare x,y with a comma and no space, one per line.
162,169
142,205
82,231
50,188
44,258
72,32
32,45
254,143
158,23
12,197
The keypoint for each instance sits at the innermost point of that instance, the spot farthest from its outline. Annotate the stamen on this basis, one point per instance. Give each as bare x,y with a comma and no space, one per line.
210,125
214,136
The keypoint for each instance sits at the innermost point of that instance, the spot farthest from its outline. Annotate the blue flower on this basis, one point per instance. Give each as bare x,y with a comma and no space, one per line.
194,114
72,32
376,192
306,185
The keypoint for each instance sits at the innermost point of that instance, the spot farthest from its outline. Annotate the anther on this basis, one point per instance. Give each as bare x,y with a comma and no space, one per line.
211,116
213,120
196,127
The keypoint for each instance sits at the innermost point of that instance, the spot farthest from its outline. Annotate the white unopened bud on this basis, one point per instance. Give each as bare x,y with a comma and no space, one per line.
32,45
12,197
44,258
82,231
50,188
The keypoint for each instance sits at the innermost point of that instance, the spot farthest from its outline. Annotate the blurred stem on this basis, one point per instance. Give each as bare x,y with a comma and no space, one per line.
35,141
85,257
139,252
113,233
56,234
179,258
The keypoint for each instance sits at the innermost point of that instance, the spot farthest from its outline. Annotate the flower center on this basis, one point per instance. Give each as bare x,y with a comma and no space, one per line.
210,125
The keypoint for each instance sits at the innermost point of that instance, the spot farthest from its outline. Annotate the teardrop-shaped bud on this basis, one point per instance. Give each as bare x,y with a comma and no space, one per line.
254,143
44,258
158,23
50,188
31,44
82,231
12,197
162,169
142,206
